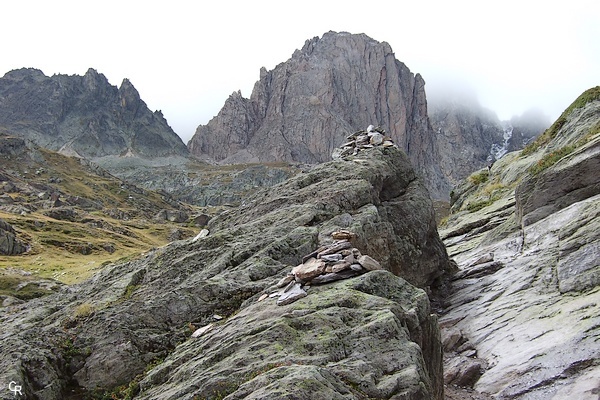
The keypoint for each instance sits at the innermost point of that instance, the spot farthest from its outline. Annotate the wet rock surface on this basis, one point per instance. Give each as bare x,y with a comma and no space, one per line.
521,319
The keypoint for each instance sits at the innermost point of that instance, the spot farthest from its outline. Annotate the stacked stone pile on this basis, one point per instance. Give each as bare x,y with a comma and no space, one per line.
328,263
363,139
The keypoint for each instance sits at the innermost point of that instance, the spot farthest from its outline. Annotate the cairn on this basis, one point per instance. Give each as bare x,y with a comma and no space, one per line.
329,263
363,139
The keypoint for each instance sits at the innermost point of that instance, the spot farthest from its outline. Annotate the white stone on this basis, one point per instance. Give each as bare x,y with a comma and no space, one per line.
295,293
376,139
203,233
202,331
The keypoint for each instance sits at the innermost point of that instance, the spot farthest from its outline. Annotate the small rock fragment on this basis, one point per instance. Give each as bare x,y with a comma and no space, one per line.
295,293
342,235
289,286
203,233
334,248
332,257
285,280
313,253
356,267
308,270
350,258
369,263
376,139
326,278
202,331
340,266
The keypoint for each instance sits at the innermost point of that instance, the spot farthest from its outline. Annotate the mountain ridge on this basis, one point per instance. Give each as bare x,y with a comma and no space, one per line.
84,115
303,108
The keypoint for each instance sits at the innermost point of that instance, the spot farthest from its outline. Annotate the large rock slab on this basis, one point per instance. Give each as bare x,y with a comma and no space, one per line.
9,243
520,319
533,322
556,188
106,331
362,337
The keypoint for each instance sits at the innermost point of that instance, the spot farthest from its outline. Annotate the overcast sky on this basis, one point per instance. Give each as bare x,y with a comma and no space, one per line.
186,57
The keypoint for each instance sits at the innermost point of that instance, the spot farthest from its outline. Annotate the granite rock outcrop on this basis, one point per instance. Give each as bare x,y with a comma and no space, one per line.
10,244
520,320
369,336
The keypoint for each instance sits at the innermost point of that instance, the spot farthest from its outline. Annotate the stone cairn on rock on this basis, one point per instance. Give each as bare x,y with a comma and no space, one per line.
363,139
329,263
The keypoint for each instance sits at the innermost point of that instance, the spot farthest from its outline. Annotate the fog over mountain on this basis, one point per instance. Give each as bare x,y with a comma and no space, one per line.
185,59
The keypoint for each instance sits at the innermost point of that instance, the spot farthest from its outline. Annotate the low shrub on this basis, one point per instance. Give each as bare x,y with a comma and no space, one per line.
479,177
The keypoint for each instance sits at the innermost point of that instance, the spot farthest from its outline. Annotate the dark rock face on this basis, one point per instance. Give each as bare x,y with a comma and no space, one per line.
301,110
553,189
368,336
83,115
9,243
465,133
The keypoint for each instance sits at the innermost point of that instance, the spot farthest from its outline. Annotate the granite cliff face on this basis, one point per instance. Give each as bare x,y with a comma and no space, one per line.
303,108
83,116
470,137
465,133
521,320
370,336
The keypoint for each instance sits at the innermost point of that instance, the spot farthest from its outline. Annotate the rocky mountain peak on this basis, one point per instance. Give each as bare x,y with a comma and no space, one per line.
83,115
129,97
24,73
302,109
92,80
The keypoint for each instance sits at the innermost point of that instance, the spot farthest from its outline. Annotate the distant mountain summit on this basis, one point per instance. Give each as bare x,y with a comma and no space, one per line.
302,109
84,116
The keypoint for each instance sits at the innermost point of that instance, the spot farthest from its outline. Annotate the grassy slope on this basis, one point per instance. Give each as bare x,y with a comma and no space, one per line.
72,251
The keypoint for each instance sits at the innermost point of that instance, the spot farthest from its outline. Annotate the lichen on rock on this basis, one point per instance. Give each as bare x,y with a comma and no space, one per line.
372,335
